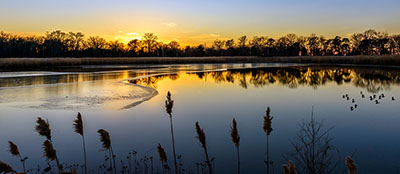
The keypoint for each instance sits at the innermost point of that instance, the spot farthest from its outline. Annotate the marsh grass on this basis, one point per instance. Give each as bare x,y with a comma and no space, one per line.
163,158
267,127
43,128
13,149
5,168
201,136
313,148
236,140
289,169
106,144
351,166
169,104
78,128
24,63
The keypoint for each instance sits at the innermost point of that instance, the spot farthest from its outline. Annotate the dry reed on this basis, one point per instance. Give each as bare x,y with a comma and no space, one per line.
201,136
78,128
267,127
236,140
169,104
43,128
49,151
13,149
106,144
163,157
5,168
291,169
351,166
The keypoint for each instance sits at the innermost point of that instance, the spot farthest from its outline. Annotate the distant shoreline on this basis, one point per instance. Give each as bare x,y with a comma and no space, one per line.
9,64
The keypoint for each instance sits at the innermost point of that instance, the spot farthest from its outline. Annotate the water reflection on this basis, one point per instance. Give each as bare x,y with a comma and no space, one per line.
292,77
213,98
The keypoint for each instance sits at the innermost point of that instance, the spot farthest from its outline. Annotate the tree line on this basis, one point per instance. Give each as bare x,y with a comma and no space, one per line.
63,44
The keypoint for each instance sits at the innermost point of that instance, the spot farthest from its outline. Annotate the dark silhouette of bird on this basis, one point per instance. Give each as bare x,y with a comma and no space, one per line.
370,98
343,96
374,96
362,96
393,99
348,98
361,92
355,106
351,108
376,102
383,95
380,97
353,101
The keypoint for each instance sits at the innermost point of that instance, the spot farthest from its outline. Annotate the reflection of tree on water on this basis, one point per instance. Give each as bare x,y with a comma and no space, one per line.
372,80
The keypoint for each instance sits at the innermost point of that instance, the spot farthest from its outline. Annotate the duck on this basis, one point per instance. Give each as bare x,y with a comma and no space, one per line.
376,102
351,108
362,96
353,101
393,99
355,106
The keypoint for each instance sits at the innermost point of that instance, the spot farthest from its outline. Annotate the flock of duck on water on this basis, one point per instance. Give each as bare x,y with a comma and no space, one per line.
373,98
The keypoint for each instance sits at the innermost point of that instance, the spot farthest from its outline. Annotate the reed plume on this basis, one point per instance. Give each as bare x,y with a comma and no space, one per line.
201,136
351,166
163,156
78,124
267,127
169,104
51,154
49,151
236,140
13,149
43,128
106,144
78,128
5,168
291,169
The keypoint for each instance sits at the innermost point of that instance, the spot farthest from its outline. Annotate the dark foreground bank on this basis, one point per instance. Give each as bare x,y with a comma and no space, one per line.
49,63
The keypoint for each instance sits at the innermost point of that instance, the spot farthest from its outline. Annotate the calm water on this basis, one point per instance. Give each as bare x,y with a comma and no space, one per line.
130,105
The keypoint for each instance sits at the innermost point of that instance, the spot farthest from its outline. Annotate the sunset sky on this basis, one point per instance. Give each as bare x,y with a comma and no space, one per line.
199,21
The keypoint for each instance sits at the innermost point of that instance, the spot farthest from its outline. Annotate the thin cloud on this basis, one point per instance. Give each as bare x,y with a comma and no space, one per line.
215,35
169,24
132,34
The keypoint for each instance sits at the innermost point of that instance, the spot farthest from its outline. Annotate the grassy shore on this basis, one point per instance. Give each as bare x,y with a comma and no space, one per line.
43,63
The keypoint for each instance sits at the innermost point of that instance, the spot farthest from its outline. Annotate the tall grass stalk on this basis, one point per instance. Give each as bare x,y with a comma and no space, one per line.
78,128
169,104
201,136
163,158
268,129
289,169
5,168
351,166
43,128
13,149
106,143
236,140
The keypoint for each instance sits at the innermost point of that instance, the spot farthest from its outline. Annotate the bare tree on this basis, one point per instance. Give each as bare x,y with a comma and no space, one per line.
150,40
313,150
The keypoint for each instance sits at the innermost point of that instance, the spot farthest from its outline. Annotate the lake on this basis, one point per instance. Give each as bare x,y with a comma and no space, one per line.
129,103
